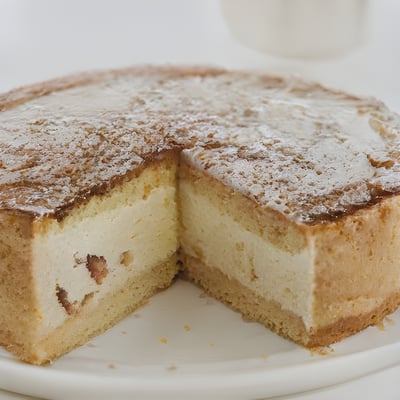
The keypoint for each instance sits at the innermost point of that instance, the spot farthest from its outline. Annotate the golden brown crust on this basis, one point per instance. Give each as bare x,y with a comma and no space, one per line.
23,94
356,261
347,326
18,310
43,175
26,93
83,197
114,121
307,209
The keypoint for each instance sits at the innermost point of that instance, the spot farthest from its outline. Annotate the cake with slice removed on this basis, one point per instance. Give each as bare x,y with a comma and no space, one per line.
278,196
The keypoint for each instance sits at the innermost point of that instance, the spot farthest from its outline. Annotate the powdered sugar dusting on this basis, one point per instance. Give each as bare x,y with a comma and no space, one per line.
311,162
291,145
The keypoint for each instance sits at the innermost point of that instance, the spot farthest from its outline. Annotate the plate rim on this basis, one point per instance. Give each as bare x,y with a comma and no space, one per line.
254,382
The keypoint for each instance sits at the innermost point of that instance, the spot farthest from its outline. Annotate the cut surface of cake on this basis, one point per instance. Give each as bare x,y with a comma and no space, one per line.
314,284
71,279
277,196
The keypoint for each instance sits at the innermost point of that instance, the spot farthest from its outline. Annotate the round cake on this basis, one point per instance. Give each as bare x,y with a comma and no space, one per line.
278,196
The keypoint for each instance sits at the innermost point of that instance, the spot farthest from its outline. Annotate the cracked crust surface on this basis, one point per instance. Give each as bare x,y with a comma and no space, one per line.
310,153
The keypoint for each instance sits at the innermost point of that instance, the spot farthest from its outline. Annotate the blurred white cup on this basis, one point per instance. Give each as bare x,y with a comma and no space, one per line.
297,28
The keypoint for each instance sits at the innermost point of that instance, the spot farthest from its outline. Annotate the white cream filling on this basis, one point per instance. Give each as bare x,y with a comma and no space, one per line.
223,243
145,231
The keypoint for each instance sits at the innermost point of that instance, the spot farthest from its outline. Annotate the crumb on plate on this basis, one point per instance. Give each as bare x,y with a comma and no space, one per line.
321,350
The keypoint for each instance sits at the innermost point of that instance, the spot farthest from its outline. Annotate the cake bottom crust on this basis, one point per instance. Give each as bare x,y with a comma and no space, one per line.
269,313
237,296
79,329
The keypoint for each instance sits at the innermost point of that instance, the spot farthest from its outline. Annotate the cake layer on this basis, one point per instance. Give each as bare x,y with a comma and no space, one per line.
241,298
335,277
70,266
243,255
125,232
110,309
268,312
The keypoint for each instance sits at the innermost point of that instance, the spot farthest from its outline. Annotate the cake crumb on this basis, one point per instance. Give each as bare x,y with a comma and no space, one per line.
246,318
111,366
163,340
380,325
170,368
203,295
187,328
78,260
124,332
389,321
321,351
209,302
263,356
126,258
212,344
137,315
91,345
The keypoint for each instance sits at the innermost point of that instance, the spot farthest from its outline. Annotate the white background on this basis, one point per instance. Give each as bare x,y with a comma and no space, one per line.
43,39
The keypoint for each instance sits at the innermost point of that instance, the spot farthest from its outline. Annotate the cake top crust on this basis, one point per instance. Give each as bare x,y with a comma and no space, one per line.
310,153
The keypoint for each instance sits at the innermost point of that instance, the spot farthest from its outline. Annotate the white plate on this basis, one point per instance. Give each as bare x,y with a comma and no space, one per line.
186,345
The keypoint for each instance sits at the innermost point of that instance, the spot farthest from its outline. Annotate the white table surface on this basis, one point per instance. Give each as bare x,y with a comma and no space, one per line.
43,39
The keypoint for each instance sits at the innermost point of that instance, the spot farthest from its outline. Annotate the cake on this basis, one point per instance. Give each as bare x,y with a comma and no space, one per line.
278,196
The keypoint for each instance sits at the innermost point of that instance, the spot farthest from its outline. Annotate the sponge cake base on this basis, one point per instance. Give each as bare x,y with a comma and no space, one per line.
269,313
239,297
